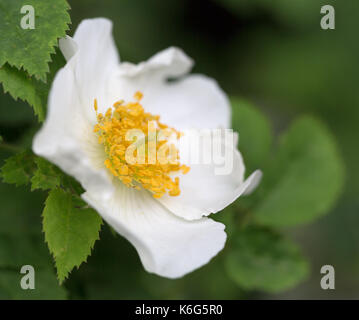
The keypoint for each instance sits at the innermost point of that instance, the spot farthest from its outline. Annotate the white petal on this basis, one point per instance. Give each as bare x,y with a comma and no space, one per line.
203,189
167,245
171,62
252,182
201,195
67,138
68,47
194,101
130,78
93,57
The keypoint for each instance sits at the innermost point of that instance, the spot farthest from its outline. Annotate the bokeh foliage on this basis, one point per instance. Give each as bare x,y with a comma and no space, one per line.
296,117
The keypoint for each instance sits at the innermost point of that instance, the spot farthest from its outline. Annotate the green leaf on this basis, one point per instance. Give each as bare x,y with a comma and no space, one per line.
21,243
19,168
261,259
46,176
21,86
69,232
255,133
30,49
305,178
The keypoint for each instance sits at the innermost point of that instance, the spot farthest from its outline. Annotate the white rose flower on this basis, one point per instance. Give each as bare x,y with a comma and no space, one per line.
164,219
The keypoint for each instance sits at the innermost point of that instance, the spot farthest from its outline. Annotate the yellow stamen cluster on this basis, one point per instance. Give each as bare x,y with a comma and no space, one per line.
154,173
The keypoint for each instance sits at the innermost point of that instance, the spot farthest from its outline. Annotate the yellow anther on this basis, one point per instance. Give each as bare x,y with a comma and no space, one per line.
154,174
138,95
118,103
185,169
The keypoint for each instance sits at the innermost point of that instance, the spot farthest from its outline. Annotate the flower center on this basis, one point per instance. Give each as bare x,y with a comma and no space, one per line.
138,148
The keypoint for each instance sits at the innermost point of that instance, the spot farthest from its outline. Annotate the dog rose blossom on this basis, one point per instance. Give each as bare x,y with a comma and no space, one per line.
161,208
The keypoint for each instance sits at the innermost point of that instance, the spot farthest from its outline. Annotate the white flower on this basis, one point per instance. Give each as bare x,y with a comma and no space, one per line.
172,235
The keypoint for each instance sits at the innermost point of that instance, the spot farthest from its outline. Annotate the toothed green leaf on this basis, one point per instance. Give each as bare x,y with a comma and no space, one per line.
70,231
46,176
30,49
18,169
22,86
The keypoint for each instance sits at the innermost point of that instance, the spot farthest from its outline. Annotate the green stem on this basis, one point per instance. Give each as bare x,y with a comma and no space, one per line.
9,147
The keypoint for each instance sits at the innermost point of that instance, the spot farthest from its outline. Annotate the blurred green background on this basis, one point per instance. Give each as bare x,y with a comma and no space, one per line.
272,53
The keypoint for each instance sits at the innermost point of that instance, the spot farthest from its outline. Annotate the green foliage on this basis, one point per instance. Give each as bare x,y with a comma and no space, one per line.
71,228
302,176
30,49
22,86
18,169
255,133
261,259
70,232
46,176
21,243
25,167
304,179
